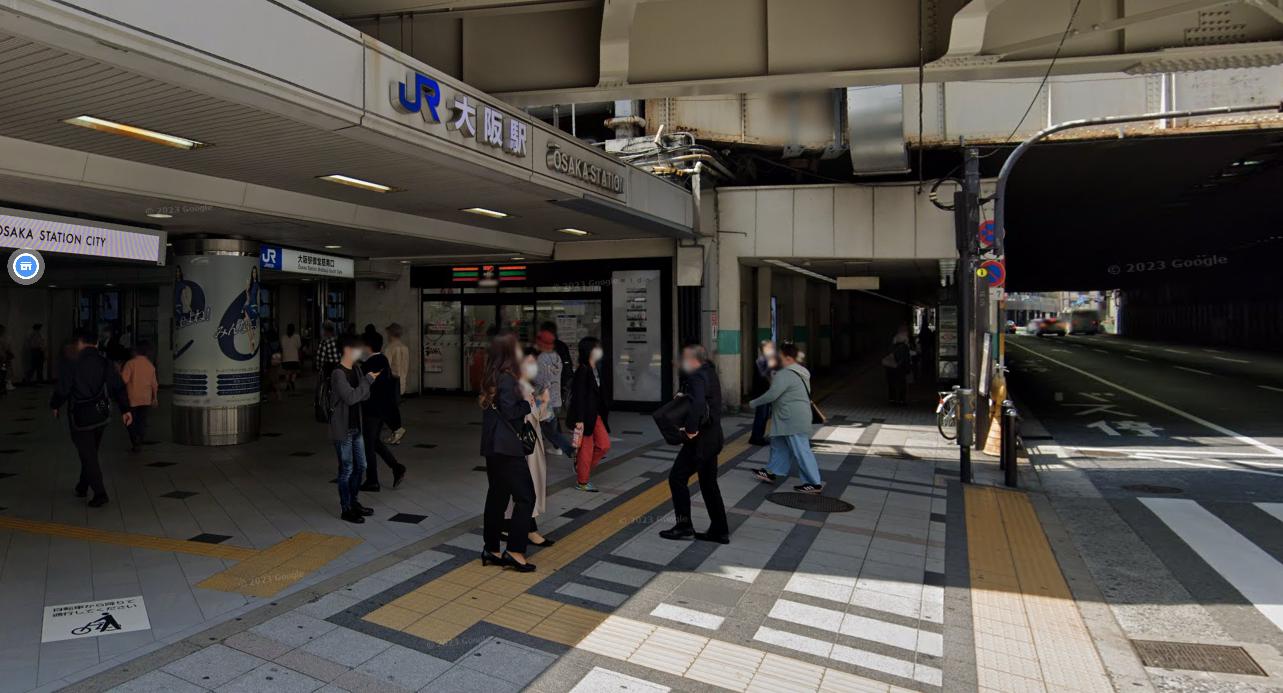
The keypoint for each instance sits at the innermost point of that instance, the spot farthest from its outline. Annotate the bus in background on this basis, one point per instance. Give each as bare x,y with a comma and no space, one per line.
1084,321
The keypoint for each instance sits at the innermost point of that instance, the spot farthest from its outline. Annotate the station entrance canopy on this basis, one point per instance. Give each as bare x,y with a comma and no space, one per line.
286,102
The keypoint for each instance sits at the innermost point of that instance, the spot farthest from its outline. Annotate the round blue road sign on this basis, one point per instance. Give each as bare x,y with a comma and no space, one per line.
993,271
988,233
26,266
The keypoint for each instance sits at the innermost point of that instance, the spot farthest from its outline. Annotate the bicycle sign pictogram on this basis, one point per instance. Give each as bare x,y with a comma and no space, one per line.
94,619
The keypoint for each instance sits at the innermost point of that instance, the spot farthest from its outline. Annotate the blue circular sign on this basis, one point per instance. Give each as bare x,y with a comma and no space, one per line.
988,232
26,266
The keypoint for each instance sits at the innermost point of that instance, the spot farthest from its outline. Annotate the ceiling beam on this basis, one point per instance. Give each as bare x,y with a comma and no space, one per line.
1254,54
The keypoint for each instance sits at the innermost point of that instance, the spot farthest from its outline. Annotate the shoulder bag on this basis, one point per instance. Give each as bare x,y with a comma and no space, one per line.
817,416
529,439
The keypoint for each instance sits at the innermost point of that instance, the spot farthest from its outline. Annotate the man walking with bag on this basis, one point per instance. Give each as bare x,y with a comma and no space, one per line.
699,453
86,385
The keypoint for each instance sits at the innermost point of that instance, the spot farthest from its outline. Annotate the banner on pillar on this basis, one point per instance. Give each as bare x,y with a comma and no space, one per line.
216,331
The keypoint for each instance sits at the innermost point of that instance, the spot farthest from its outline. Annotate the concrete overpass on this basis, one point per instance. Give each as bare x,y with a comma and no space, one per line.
543,52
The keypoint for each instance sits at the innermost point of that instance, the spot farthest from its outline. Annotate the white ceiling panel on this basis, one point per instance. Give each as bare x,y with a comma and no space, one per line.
44,87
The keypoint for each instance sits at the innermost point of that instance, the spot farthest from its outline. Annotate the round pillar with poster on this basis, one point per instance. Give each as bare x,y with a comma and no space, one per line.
216,341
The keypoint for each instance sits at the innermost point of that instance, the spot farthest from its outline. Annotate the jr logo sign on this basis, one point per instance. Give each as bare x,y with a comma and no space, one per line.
418,90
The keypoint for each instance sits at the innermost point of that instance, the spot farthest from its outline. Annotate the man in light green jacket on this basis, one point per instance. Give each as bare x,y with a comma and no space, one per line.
790,400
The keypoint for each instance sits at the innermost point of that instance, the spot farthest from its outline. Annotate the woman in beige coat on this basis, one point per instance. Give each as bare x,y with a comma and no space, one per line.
537,459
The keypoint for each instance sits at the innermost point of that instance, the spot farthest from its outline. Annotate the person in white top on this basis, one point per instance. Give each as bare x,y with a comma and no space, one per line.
398,355
291,345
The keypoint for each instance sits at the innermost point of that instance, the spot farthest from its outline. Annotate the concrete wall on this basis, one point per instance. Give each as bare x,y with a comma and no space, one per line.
892,222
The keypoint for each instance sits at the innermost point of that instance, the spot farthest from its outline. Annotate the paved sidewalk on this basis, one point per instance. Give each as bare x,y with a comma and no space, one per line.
923,585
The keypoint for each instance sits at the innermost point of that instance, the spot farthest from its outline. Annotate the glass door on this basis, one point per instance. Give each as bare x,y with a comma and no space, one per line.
478,321
574,318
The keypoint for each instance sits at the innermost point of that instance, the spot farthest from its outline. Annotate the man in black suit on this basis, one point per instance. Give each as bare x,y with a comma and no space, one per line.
699,454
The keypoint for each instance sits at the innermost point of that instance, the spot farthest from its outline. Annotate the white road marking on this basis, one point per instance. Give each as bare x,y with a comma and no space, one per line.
1175,351
1214,351
1192,370
1271,388
1208,465
1247,567
1104,428
1101,351
1165,406
1226,358
1137,358
1185,452
1275,509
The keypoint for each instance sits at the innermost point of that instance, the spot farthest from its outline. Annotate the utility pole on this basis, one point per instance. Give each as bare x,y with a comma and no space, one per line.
966,217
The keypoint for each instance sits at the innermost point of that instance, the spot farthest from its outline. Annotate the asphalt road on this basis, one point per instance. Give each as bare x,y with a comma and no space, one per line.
1209,422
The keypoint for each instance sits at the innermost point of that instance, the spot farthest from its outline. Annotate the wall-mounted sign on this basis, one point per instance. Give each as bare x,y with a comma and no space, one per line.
464,114
53,234
859,283
488,275
302,262
583,170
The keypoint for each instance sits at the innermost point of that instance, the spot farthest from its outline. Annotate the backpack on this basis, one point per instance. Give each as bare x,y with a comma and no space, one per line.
323,405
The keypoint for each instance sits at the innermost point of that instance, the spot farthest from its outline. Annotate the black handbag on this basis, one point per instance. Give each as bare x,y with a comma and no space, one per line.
529,439
671,417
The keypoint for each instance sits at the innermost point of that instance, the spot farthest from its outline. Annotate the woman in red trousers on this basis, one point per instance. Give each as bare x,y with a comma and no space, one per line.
588,412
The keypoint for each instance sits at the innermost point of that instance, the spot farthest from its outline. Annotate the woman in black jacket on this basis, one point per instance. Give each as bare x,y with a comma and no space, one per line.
504,412
588,412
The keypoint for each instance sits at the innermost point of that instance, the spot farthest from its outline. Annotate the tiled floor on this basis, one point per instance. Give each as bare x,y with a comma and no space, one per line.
923,585
216,552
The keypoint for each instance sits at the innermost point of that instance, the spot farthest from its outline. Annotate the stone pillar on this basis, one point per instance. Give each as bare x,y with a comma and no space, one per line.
216,341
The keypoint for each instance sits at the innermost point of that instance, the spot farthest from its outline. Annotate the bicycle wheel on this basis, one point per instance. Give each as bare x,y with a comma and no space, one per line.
947,419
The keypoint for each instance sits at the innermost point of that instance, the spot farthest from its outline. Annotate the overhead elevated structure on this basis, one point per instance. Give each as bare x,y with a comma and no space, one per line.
543,52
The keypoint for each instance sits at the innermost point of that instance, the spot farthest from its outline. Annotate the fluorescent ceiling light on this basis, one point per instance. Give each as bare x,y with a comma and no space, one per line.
137,133
356,183
333,247
805,272
518,257
573,232
484,212
160,215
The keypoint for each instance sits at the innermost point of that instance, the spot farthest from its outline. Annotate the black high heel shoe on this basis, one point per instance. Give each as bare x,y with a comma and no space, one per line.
546,542
526,567
488,558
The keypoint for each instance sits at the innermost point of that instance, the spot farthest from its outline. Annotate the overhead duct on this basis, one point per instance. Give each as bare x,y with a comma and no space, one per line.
875,130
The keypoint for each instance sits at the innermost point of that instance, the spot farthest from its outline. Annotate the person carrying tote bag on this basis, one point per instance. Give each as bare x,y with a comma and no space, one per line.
792,414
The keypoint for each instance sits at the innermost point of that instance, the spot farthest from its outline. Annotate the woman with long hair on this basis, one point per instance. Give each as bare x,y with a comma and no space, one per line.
588,412
504,410
536,460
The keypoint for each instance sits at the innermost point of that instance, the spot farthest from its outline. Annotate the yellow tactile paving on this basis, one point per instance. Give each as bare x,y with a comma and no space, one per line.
1029,634
140,541
273,569
259,573
472,593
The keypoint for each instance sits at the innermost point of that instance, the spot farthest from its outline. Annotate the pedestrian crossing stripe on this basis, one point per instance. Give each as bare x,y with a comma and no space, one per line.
1243,564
